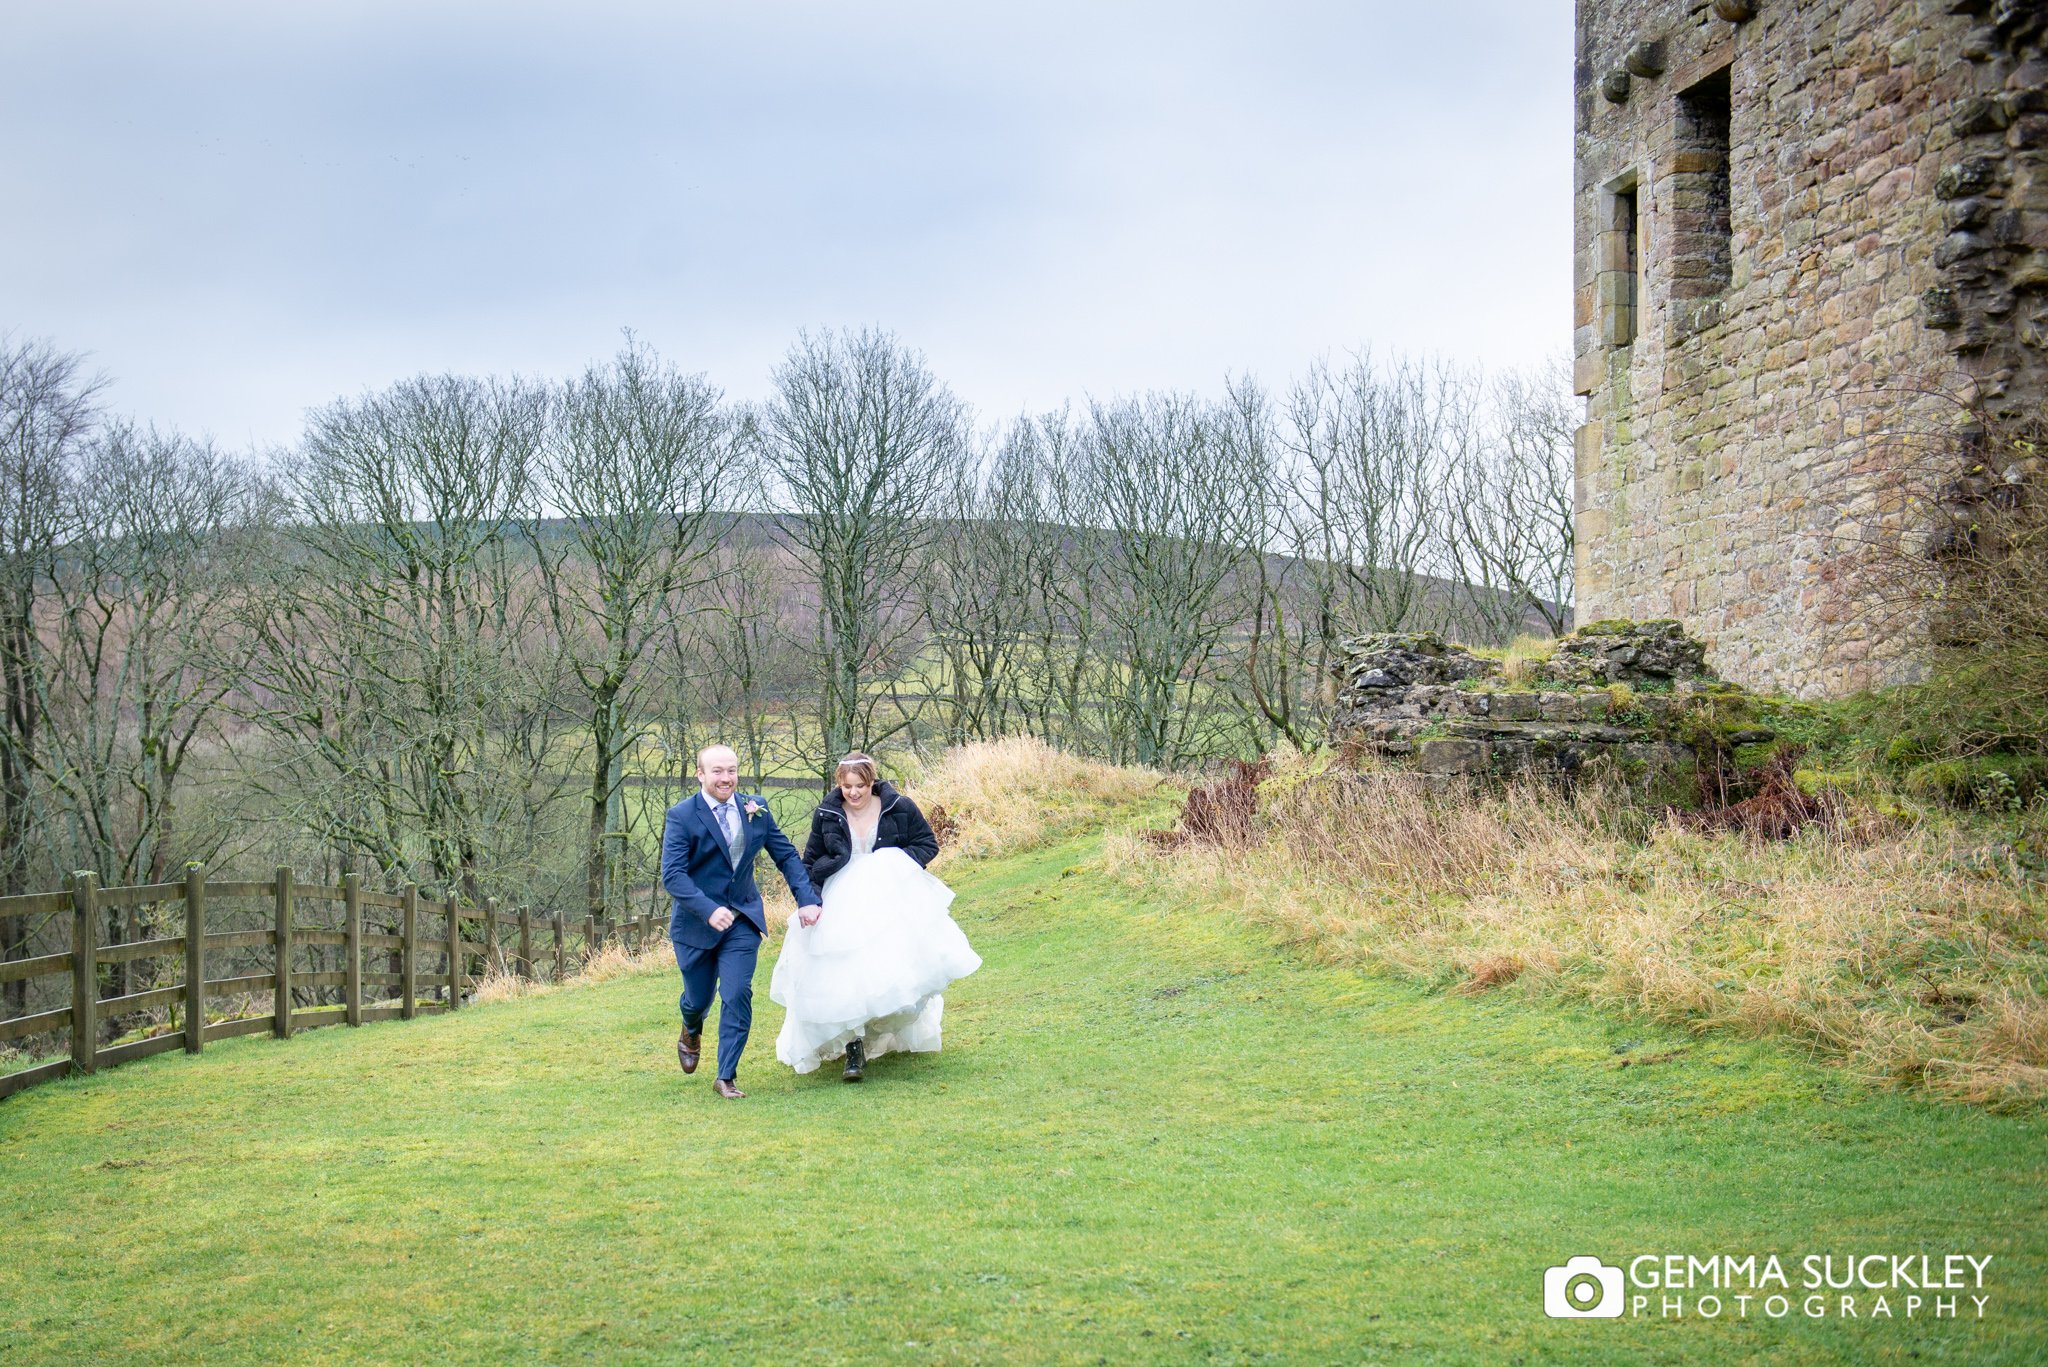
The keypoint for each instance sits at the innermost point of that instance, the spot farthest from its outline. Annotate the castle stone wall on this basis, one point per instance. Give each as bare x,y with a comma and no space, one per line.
1767,270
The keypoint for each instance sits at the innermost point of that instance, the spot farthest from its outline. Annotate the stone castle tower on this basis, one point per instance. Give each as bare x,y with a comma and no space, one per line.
1790,217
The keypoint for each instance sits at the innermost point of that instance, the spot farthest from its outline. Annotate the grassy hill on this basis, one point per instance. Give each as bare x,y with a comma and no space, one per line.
1152,1136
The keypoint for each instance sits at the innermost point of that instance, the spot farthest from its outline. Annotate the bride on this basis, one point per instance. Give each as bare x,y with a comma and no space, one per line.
861,975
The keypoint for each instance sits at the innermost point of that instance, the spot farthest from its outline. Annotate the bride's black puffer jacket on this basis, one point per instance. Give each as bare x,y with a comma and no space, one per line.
901,826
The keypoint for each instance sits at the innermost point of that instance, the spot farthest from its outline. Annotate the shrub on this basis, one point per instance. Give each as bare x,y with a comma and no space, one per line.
1976,571
1221,813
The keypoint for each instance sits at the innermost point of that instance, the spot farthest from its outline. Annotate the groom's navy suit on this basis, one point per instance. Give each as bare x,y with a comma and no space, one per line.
698,870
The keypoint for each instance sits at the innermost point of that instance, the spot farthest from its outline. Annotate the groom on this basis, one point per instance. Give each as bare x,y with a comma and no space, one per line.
716,924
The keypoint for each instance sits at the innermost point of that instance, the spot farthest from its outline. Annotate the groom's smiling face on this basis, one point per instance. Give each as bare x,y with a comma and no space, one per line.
718,772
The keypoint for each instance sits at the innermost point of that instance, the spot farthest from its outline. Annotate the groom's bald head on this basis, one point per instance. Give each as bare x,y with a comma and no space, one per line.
718,771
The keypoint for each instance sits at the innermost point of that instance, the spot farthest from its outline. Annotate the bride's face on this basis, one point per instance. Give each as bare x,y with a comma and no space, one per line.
854,790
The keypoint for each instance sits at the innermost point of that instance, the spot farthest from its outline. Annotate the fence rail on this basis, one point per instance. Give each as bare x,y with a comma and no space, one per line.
433,928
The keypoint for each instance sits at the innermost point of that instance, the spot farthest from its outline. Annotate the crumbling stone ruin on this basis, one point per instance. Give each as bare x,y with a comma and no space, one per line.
1787,211
1625,694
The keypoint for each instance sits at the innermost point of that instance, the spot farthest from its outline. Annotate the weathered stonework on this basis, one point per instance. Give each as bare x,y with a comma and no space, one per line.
1443,710
1789,214
1628,652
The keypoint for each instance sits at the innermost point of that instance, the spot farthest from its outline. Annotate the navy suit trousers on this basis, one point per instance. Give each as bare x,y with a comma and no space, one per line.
726,968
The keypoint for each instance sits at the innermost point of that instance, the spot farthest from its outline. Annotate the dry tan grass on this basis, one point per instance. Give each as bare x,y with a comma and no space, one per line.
1880,945
612,961
616,961
1012,794
1521,660
1492,970
500,986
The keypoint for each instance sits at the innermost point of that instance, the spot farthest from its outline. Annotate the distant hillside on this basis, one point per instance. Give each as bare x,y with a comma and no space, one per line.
1443,606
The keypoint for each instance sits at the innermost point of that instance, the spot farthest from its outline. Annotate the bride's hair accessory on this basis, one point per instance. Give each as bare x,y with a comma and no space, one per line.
861,766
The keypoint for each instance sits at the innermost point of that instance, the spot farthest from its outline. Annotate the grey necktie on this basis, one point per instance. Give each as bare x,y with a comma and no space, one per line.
728,821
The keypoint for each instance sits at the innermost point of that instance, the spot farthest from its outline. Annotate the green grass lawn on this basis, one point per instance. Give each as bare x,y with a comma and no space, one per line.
1151,1137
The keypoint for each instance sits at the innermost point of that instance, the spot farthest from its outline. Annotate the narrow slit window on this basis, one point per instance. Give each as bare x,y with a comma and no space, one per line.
1702,254
1620,265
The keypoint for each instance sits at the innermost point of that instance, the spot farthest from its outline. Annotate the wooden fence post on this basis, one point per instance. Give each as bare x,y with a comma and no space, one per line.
281,1006
491,935
526,943
352,951
409,920
454,951
561,949
85,978
195,958
589,937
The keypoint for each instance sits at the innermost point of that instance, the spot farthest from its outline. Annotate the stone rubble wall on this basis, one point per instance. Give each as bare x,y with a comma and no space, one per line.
1414,699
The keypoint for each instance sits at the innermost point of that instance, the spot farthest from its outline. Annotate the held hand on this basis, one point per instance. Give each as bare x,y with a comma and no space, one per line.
808,915
721,918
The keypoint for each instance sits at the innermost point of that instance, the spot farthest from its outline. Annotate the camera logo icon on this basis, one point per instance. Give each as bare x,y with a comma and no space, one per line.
1582,1288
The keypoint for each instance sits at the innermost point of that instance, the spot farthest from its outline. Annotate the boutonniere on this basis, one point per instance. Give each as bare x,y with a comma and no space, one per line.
752,808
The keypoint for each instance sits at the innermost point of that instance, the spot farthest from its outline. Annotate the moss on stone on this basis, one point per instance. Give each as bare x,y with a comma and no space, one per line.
1755,755
1813,725
1847,782
1988,782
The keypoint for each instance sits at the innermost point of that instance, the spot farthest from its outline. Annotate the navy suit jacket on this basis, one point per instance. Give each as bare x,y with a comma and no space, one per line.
699,874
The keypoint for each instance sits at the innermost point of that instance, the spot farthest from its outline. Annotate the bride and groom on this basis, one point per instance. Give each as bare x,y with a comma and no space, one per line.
872,946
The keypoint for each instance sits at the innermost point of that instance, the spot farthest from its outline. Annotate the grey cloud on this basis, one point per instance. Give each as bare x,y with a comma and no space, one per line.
243,210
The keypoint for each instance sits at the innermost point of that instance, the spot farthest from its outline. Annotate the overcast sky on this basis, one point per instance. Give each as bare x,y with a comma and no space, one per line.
244,210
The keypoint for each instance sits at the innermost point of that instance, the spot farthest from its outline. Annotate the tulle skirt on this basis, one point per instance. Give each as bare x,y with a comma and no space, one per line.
873,967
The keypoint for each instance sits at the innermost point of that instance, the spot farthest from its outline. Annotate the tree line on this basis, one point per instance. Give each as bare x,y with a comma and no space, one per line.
465,628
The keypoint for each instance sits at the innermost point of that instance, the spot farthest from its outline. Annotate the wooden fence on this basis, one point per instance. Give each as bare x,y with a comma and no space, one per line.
418,927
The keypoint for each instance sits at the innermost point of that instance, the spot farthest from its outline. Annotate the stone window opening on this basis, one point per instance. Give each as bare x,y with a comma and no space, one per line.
1619,245
1697,199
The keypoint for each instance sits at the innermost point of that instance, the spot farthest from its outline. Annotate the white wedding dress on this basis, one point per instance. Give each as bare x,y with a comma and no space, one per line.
873,966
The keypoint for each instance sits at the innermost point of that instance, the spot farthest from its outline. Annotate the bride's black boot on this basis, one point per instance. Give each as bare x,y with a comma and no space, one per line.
855,1058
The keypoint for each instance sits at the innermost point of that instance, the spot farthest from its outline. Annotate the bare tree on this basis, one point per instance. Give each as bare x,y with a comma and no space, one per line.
1278,685
736,651
634,457
48,407
863,442
1369,446
1178,487
1509,513
401,651
983,593
1066,661
143,647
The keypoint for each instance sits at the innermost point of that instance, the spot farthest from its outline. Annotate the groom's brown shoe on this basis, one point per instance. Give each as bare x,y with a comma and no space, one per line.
727,1090
689,1049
